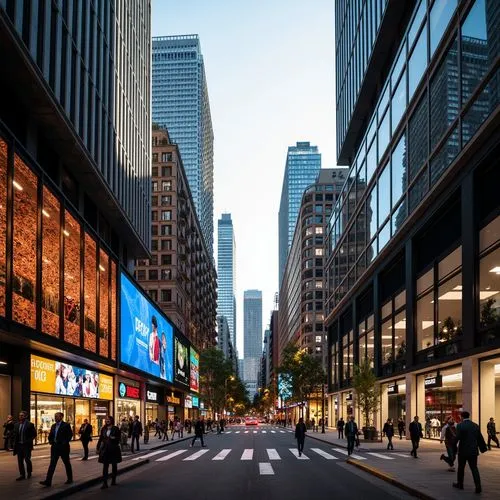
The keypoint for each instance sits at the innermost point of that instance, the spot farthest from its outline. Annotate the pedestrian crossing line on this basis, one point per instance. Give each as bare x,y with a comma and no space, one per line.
401,455
344,452
255,432
227,432
247,454
172,455
380,455
273,454
93,457
266,469
324,454
282,432
246,432
295,452
222,454
152,454
274,432
264,432
237,432
196,455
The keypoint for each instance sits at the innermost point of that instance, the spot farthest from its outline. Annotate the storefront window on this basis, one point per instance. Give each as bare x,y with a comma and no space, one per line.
104,303
396,401
126,408
450,309
3,223
51,252
393,331
46,407
90,294
425,321
366,341
24,249
71,279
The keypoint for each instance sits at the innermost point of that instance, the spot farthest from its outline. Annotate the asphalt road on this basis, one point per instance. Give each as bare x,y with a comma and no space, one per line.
248,463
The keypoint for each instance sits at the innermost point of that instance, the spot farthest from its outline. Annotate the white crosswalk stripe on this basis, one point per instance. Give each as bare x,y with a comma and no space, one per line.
247,454
379,455
222,454
237,432
172,455
282,432
264,432
266,469
196,455
295,452
255,432
152,454
401,455
273,454
324,454
344,452
274,432
246,432
227,432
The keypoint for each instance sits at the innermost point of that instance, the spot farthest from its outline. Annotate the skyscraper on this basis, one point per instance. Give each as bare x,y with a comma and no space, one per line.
252,330
226,273
180,103
303,163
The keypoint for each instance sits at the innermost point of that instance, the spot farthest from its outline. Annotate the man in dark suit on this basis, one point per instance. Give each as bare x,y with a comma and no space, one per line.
300,435
469,439
59,437
351,434
85,437
136,432
415,429
24,435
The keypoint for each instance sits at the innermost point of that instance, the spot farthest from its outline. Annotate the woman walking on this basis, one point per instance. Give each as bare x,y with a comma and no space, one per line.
389,433
109,451
401,427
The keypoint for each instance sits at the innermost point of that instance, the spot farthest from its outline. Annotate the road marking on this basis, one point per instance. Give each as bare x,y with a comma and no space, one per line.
344,452
227,432
324,454
172,455
255,432
401,455
266,469
152,454
247,454
196,455
282,432
274,432
295,452
264,432
273,454
222,455
93,457
246,432
379,455
237,432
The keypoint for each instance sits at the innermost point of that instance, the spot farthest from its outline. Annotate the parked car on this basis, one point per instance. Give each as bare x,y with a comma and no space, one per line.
251,421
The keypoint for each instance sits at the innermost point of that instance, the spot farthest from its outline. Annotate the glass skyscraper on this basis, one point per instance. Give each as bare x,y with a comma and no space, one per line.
303,163
252,330
180,103
226,273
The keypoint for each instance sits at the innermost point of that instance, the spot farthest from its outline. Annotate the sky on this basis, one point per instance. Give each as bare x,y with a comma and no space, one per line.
269,66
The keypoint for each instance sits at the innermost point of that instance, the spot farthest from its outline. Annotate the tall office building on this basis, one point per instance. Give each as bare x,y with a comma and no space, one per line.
303,163
418,295
181,104
75,190
252,341
226,273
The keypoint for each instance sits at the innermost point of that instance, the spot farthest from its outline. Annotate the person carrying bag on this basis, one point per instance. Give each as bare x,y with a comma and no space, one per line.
109,451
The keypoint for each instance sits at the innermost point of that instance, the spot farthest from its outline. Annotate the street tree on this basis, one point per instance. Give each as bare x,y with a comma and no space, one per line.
367,396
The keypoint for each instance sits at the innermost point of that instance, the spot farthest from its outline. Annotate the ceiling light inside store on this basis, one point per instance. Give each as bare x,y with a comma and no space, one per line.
3,362
44,212
17,185
486,295
427,324
400,325
451,295
66,233
495,270
101,267
387,337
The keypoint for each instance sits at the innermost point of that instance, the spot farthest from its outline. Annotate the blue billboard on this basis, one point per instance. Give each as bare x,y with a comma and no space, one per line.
146,337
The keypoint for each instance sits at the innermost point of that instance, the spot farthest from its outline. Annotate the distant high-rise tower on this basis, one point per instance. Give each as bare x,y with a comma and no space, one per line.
180,103
226,273
252,329
303,163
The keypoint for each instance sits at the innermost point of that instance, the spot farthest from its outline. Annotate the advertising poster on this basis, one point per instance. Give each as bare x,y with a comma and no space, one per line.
181,362
194,370
146,336
59,377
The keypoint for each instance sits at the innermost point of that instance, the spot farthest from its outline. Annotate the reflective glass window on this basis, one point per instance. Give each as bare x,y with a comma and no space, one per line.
371,161
384,193
398,67
417,63
419,190
398,217
384,134
398,102
51,256
24,248
444,157
90,294
71,279
384,236
417,21
425,322
439,18
384,100
450,309
418,143
113,319
399,173
3,224
372,212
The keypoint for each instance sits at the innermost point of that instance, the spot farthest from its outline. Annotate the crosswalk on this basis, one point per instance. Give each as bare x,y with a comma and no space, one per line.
258,431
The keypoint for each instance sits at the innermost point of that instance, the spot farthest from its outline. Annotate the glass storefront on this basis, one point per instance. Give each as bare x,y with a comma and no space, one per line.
396,399
126,408
489,384
443,399
151,412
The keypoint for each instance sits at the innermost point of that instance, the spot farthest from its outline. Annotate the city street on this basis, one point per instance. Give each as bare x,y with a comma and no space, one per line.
249,463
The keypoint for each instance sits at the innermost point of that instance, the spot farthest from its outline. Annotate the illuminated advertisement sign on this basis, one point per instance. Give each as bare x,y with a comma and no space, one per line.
181,361
146,337
59,377
188,401
128,391
194,370
196,401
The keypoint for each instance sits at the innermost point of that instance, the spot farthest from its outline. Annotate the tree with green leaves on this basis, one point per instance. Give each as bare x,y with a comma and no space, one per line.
367,396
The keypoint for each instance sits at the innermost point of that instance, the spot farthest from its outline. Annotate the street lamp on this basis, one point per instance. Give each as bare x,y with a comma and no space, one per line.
231,377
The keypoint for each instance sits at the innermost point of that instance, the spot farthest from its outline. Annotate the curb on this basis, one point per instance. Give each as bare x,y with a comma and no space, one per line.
389,479
91,482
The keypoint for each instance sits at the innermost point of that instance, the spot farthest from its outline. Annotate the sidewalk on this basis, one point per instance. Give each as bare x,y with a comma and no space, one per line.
427,477
85,473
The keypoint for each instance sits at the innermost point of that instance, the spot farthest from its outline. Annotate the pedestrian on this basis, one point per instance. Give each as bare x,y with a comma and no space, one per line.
85,433
401,427
157,428
313,424
8,433
449,436
109,451
199,430
179,428
492,433
415,429
469,440
59,437
124,430
428,427
340,427
24,434
300,435
164,428
351,433
147,426
136,433
209,425
388,430
222,424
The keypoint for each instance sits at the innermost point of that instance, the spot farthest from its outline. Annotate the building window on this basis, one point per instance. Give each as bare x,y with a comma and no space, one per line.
166,185
90,294
103,303
155,160
154,186
141,275
166,244
154,215
166,200
366,341
166,215
393,331
153,275
166,230
166,171
166,259
154,245
153,294
166,157
166,295
3,223
166,274
154,230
